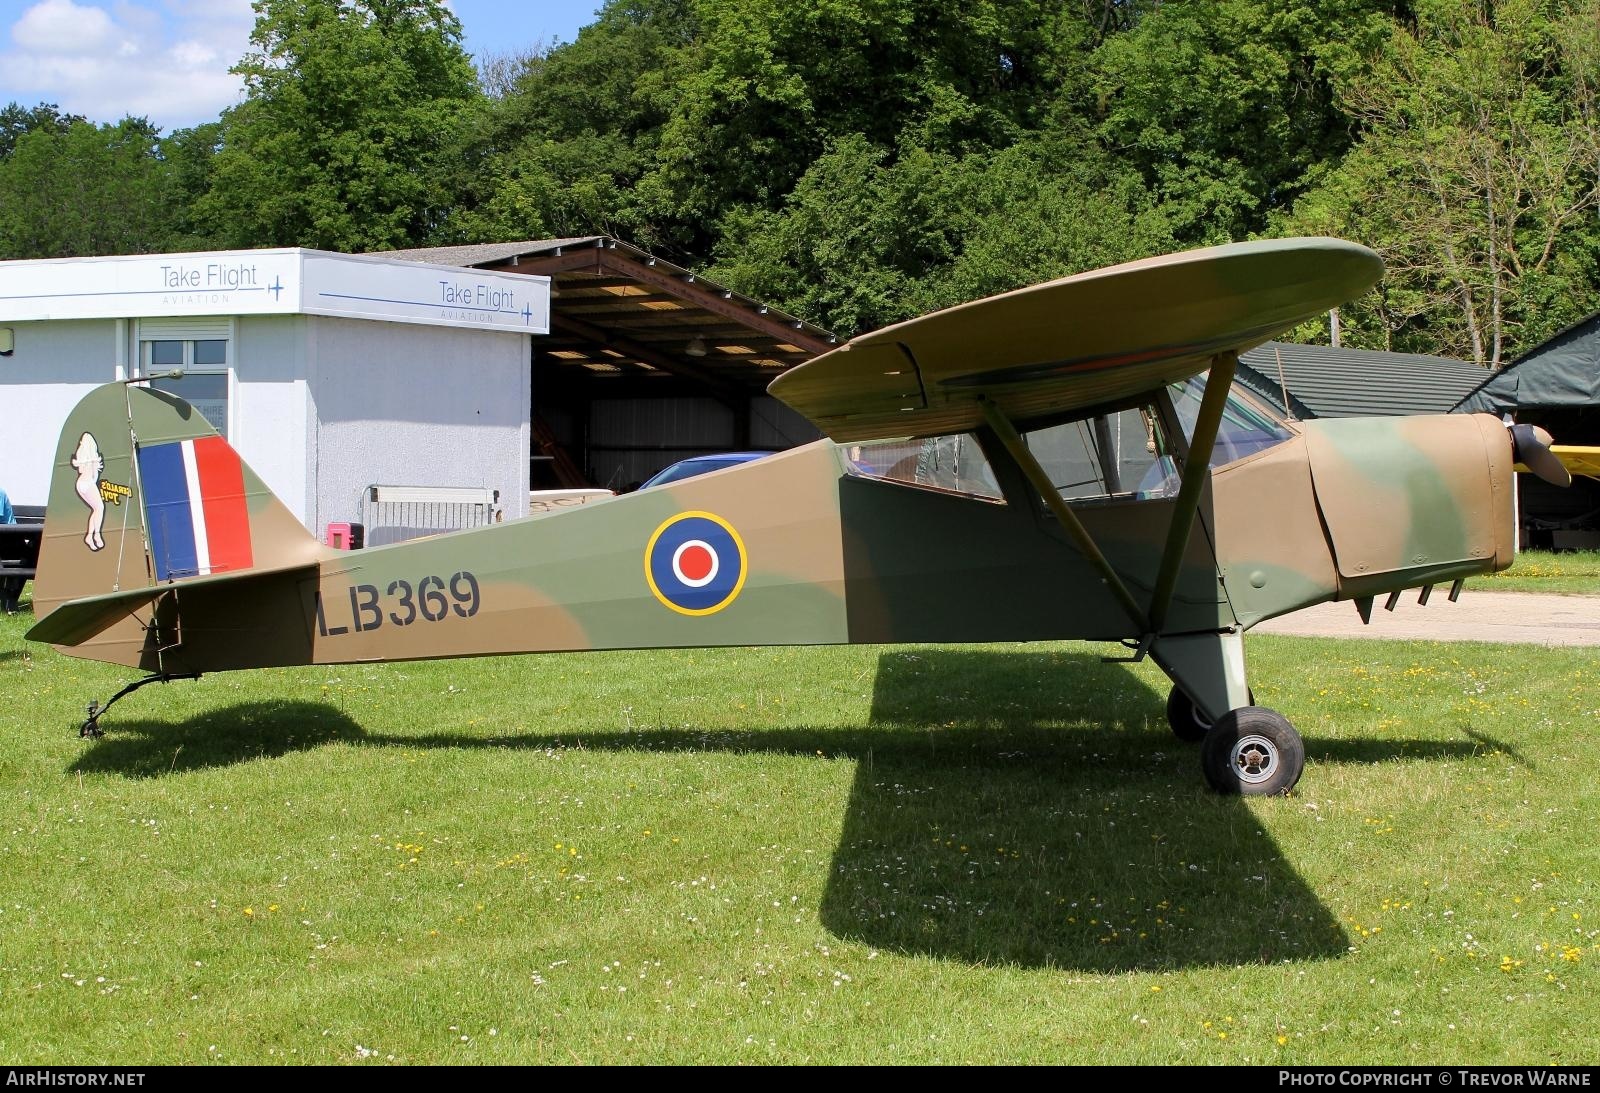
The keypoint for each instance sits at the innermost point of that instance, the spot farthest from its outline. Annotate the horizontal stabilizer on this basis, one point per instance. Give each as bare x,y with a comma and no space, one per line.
76,621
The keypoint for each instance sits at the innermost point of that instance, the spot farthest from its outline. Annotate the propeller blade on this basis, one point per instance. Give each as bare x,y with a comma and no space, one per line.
1531,447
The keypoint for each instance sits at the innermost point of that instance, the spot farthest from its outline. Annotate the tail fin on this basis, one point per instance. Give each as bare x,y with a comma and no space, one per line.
146,493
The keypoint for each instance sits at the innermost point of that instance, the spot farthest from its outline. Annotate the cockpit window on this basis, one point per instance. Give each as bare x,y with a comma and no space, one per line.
1120,456
1245,428
1126,455
1111,456
955,463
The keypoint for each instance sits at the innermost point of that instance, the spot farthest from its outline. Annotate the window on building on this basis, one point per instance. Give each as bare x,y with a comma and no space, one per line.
200,350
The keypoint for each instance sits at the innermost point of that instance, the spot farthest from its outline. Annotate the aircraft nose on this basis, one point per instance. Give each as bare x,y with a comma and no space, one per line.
1429,496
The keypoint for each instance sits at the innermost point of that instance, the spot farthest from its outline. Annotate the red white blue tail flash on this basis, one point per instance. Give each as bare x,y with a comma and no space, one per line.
195,507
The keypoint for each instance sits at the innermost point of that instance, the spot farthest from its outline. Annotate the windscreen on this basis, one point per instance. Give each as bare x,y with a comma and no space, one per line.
954,463
1245,428
1116,456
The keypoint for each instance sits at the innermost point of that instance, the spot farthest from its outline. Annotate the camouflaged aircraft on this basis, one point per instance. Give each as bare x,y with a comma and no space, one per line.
1064,461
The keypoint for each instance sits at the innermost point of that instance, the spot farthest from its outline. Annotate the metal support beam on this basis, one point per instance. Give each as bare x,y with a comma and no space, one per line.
686,288
1029,466
1110,464
1196,469
1209,668
581,260
602,262
720,387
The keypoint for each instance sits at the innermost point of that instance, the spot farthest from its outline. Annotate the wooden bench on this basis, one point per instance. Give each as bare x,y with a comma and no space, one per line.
19,554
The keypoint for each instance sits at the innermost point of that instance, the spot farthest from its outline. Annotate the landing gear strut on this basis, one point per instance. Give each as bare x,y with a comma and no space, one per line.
1249,749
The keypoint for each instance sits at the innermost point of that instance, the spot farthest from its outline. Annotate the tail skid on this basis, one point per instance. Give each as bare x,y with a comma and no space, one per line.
91,725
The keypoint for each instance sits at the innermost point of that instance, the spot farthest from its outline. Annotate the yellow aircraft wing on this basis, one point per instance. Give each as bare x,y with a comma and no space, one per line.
1576,458
1076,342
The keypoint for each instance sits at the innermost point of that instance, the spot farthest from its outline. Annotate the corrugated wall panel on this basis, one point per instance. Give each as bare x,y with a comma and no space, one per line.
774,424
660,423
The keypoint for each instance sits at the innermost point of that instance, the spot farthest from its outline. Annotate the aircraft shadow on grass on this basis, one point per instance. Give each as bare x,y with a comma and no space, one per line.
1031,830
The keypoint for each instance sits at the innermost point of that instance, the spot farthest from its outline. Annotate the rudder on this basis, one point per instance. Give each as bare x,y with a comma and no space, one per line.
145,492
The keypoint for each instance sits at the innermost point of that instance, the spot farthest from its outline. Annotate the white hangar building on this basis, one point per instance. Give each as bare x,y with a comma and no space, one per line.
329,373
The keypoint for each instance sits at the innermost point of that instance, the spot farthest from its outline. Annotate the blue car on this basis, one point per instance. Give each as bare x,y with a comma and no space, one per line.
700,464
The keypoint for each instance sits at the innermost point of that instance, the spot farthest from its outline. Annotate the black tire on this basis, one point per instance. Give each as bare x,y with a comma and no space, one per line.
1253,751
1188,723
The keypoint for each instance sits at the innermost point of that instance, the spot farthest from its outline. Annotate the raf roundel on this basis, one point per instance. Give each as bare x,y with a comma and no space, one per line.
695,563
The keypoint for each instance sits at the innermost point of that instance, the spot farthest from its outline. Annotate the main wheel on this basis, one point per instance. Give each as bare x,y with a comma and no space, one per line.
1188,723
1254,751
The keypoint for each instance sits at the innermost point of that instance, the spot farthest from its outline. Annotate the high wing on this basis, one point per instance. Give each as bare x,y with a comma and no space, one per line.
1074,343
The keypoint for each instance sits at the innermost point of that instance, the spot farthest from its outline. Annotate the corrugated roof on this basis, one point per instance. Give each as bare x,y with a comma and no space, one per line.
475,254
1326,382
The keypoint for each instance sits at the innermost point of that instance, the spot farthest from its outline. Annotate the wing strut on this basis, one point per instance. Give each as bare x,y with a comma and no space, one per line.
1069,522
1196,468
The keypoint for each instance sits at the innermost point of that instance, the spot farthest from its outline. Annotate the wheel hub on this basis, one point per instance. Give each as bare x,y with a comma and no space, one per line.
1255,758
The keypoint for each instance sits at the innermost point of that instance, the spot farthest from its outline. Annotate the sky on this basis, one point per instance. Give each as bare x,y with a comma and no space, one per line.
168,60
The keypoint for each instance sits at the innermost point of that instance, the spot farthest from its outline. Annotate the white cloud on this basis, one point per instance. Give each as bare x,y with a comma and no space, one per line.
167,63
193,54
62,27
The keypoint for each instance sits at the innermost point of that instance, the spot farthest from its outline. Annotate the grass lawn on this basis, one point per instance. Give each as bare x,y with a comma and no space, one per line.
1573,572
907,854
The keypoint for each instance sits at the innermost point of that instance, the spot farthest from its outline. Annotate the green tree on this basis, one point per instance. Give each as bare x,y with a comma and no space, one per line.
667,116
774,85
84,189
1228,108
569,134
15,120
869,237
190,156
1477,177
345,140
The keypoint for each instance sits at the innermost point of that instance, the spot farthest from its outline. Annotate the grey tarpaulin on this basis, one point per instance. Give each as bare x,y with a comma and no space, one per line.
1564,371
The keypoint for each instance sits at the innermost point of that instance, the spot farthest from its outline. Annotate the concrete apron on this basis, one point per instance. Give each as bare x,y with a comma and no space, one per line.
1514,617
